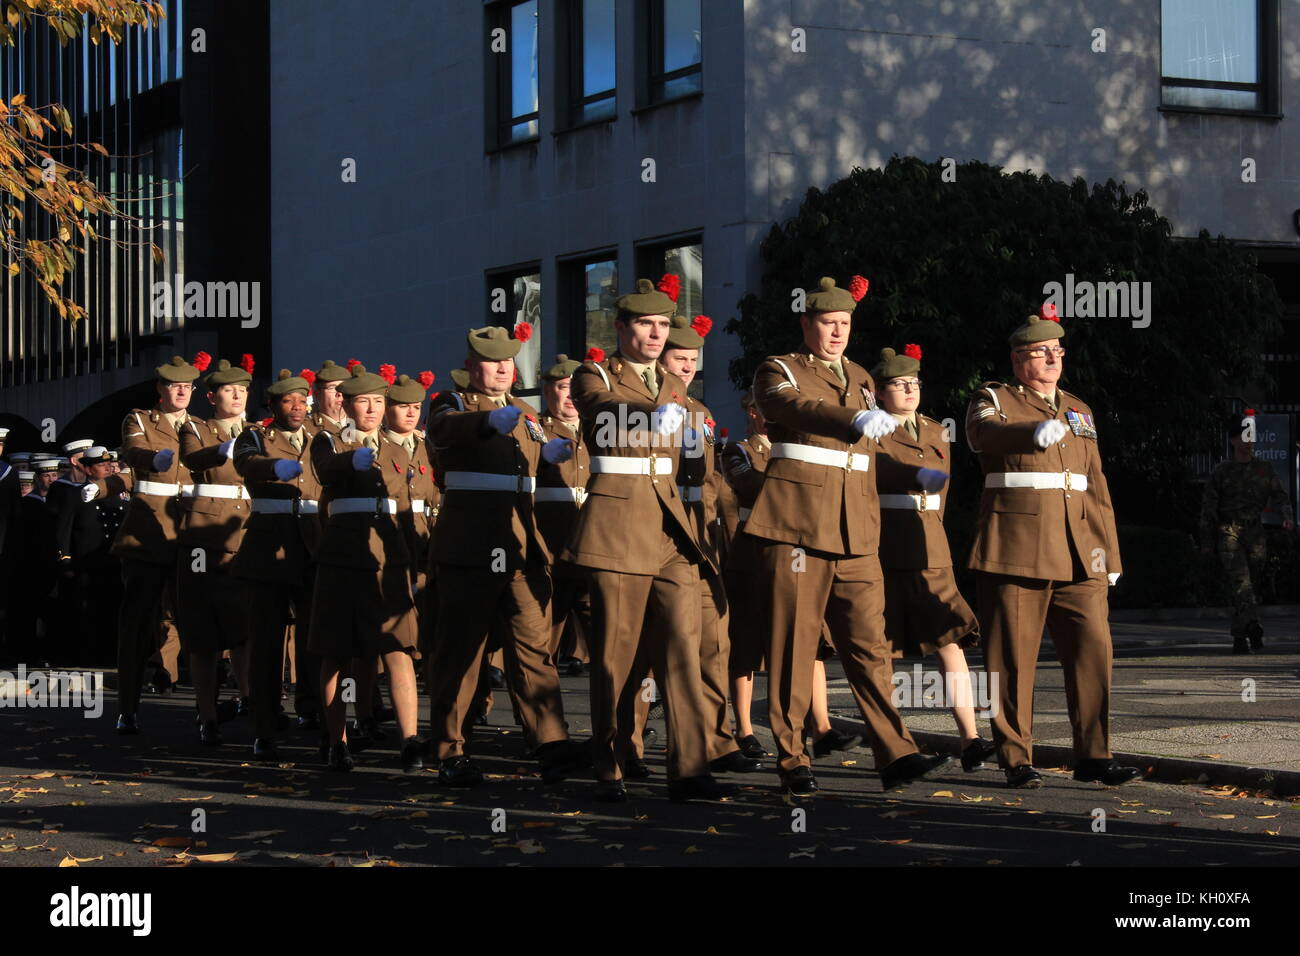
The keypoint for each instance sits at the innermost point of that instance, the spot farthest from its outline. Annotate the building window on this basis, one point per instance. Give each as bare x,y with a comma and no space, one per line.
589,51
516,296
512,51
684,258
1219,55
672,49
590,290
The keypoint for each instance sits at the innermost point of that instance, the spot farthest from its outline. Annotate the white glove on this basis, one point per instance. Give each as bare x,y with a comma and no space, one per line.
504,419
226,448
875,423
89,492
669,418
1049,432
1112,577
557,450
163,460
932,479
363,458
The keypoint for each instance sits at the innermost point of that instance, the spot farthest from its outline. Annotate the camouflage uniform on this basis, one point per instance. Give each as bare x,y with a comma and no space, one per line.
1235,498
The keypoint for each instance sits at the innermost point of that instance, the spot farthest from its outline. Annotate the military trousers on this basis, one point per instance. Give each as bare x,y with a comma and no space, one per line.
805,588
1012,613
138,625
470,601
269,603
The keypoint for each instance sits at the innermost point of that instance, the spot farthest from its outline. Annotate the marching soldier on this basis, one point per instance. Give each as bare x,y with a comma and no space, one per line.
561,490
696,483
9,496
363,606
1045,548
38,569
635,536
277,556
146,541
924,611
327,409
1236,495
211,610
817,514
490,557
82,543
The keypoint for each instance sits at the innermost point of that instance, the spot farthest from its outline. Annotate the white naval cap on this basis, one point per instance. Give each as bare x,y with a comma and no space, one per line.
79,445
26,476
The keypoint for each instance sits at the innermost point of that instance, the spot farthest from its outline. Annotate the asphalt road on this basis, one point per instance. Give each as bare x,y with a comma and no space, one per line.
71,788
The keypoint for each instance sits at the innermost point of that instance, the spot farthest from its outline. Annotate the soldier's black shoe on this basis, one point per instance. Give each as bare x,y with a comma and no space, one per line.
460,772
1105,771
324,749
570,667
308,722
264,749
1024,777
245,708
1256,634
609,791
413,755
834,740
703,787
735,762
367,729
210,734
339,757
481,719
1240,645
496,678
560,758
750,747
799,782
912,767
227,710
975,753
634,768
128,724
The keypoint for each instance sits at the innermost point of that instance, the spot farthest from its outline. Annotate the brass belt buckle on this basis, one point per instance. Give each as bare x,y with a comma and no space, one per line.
848,461
1069,480
654,466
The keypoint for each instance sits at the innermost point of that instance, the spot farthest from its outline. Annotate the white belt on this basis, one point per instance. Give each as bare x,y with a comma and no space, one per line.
420,507
570,495
691,492
214,491
916,502
483,481
745,513
1065,480
849,461
613,465
160,488
348,506
285,506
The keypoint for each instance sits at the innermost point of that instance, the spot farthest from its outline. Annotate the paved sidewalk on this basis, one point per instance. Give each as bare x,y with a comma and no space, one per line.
1179,694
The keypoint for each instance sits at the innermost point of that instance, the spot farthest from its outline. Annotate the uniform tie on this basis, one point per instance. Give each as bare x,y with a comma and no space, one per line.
910,425
295,440
371,441
649,376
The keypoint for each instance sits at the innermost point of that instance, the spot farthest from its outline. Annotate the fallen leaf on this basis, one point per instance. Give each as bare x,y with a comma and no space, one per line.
172,841
1220,816
942,793
692,849
848,763
1164,813
895,842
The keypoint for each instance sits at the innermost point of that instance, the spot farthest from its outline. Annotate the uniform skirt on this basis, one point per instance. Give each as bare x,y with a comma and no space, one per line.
924,611
360,613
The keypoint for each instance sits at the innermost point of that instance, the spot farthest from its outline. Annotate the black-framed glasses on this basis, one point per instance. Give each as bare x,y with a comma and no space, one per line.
1041,350
904,384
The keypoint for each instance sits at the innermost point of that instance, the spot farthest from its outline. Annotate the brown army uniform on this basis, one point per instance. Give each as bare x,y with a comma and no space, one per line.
490,560
211,613
635,536
923,608
363,605
561,490
1044,554
146,541
277,563
820,521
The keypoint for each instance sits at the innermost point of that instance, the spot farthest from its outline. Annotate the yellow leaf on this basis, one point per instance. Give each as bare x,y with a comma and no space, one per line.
18,100
1221,816
692,849
942,793
99,149
12,16
68,861
172,841
214,857
1166,813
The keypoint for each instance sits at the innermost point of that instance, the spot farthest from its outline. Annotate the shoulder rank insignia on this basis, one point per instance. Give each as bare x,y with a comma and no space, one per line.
1081,423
